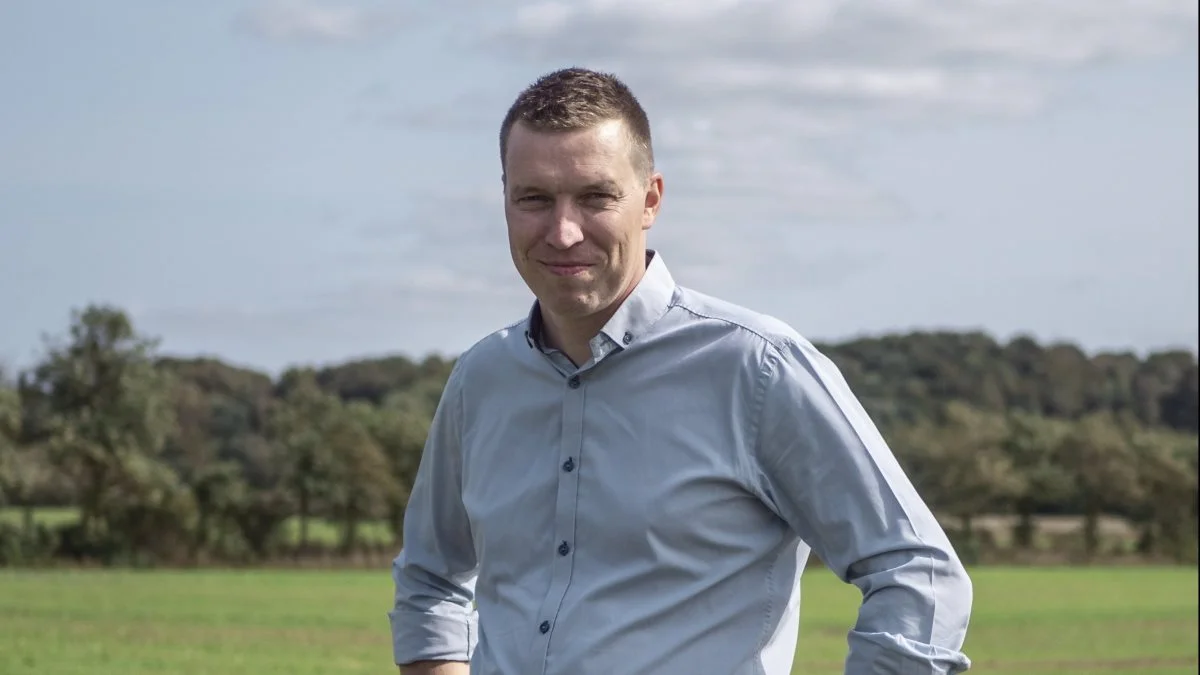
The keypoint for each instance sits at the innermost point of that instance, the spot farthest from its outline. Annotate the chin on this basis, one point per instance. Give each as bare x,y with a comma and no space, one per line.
569,309
568,305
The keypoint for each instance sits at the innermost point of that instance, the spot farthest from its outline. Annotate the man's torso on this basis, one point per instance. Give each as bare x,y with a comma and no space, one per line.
617,522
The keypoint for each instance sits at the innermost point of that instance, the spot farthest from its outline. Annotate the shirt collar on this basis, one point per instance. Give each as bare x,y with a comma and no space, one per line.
639,312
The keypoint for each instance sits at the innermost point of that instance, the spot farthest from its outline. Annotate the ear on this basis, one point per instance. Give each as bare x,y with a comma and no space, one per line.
654,194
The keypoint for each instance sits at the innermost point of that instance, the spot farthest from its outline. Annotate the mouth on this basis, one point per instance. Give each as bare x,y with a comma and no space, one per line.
566,269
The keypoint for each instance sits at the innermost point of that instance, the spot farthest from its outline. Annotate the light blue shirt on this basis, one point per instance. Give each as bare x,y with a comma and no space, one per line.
651,512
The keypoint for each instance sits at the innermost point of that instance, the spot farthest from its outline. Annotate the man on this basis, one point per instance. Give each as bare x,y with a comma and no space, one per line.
629,480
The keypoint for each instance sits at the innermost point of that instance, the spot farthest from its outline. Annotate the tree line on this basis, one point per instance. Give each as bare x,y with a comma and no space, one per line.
190,460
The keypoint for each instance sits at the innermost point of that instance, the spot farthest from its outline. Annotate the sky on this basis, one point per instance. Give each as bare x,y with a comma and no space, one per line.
308,182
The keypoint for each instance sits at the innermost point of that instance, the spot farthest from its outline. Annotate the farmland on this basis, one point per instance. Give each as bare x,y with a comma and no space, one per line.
191,517
1112,620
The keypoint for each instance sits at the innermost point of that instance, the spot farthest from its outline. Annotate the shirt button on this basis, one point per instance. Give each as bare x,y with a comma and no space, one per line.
564,548
545,627
627,338
573,383
569,465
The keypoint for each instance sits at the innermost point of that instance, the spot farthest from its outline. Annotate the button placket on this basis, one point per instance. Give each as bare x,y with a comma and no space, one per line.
568,458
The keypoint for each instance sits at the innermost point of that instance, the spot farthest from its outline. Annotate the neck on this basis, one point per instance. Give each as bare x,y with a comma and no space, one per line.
572,335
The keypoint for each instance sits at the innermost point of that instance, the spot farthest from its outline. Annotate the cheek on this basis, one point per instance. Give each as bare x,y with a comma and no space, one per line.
606,229
522,230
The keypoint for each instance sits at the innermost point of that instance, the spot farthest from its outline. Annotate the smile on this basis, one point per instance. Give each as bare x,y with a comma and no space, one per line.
568,269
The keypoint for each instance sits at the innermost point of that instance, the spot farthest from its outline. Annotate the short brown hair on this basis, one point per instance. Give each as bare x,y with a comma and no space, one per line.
578,98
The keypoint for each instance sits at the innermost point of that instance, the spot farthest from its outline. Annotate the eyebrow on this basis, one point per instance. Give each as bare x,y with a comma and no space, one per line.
602,186
605,185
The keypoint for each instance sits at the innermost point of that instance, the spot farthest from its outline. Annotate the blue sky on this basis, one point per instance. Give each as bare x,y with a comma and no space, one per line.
307,182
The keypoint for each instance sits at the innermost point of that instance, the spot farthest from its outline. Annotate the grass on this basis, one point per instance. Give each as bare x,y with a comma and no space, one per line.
1033,621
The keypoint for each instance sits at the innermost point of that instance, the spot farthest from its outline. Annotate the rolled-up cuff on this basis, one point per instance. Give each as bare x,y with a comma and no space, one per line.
418,636
885,654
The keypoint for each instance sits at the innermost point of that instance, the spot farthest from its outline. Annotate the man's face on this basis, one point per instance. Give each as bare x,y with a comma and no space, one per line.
577,211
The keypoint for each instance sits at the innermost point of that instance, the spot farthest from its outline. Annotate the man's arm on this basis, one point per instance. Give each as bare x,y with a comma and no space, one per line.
433,619
824,468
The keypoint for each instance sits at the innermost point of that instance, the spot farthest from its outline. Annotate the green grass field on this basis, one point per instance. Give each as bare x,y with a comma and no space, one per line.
1116,621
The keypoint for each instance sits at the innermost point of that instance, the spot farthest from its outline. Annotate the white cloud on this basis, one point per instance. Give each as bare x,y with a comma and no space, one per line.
821,67
757,108
744,96
302,21
875,52
902,32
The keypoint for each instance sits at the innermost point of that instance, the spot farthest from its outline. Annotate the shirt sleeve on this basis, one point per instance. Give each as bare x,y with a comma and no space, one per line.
433,617
823,466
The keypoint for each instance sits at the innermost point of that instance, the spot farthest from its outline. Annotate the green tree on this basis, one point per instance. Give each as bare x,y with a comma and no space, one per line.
400,427
1167,475
1097,455
25,474
360,478
261,502
12,468
10,424
217,489
103,408
150,512
1031,444
960,465
297,424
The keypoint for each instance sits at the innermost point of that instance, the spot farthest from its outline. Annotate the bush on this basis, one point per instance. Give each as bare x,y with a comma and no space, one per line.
78,545
26,547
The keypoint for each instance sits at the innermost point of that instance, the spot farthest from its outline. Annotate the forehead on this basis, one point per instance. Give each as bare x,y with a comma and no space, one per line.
544,158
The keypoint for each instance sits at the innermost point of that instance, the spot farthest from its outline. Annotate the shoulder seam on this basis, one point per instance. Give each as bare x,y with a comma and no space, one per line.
777,344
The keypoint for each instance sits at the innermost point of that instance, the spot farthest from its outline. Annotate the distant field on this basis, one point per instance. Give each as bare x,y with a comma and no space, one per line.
320,531
1126,621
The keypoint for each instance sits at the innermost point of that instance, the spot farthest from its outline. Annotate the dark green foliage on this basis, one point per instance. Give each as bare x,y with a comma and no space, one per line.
171,459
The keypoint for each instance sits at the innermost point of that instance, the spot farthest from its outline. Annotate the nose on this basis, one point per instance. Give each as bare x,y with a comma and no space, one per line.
565,228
